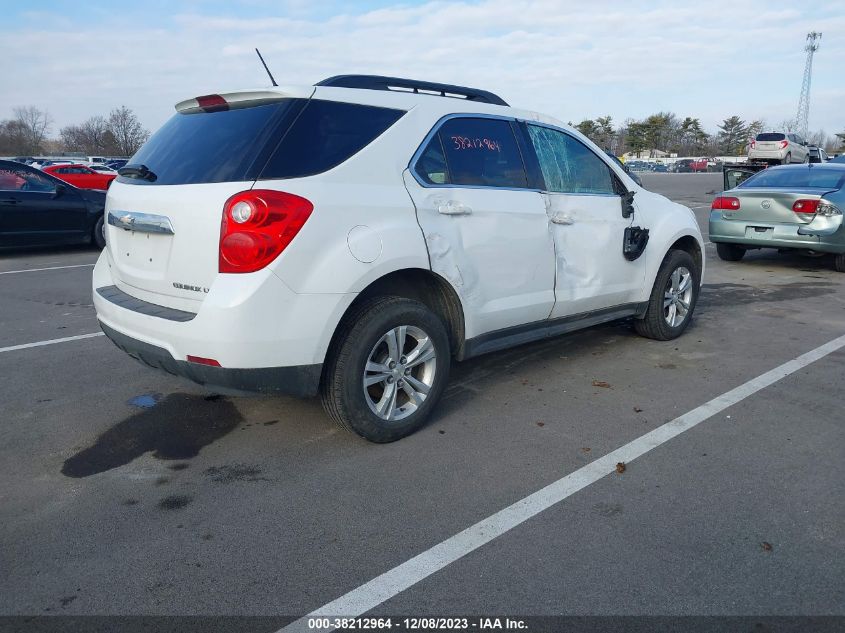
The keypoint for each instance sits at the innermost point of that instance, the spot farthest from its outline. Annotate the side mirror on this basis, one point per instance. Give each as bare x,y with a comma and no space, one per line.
628,204
59,191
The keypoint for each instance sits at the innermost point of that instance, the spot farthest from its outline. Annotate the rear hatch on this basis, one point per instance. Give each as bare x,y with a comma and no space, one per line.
769,141
165,209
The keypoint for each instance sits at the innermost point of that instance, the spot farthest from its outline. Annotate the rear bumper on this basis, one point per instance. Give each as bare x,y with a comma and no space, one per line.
781,236
302,381
775,154
266,337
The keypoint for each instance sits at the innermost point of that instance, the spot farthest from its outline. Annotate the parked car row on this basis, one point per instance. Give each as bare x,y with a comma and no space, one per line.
91,175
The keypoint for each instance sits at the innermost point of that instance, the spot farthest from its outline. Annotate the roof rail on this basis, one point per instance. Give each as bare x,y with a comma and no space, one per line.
377,82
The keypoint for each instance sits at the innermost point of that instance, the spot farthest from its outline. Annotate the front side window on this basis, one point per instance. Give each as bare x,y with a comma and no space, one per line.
568,165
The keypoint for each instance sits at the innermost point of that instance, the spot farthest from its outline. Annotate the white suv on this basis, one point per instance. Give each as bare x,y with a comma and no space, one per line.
351,238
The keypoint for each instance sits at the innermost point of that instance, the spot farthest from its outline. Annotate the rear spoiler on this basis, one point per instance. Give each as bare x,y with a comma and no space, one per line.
242,99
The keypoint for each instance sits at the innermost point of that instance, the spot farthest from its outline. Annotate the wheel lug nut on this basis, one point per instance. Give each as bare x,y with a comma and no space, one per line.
403,360
401,383
392,364
390,379
408,371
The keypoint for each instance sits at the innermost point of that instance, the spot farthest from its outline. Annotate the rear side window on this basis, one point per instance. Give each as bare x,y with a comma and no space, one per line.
474,152
771,136
568,165
206,147
326,134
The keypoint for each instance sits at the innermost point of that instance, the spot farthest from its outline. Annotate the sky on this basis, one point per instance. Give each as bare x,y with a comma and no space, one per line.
571,59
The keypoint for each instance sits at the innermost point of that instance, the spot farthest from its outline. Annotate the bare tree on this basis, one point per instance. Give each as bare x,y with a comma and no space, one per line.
35,125
91,137
127,131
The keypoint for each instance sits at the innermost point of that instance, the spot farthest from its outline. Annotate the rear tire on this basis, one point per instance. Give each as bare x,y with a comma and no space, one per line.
839,262
98,236
400,349
677,285
730,252
787,159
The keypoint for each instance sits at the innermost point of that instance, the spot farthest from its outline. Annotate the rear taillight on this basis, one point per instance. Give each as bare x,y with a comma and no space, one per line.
783,144
725,203
257,226
753,144
807,207
212,103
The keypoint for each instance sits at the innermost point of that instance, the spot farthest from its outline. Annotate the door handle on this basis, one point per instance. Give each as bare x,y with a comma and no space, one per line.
562,218
10,201
453,207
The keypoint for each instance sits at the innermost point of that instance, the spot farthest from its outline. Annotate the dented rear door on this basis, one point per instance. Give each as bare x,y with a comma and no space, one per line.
487,233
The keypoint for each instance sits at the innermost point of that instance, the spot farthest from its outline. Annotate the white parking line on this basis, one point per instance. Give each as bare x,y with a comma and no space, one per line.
387,585
52,341
32,270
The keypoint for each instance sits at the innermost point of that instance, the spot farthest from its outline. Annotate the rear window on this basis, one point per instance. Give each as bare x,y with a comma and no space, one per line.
287,139
771,136
796,178
211,146
326,134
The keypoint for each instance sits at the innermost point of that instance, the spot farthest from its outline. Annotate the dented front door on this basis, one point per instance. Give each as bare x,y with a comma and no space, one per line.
584,206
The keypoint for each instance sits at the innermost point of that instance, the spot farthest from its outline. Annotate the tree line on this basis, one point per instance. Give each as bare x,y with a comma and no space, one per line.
667,132
27,133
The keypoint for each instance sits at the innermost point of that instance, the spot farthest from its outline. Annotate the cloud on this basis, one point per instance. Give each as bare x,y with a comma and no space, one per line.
567,58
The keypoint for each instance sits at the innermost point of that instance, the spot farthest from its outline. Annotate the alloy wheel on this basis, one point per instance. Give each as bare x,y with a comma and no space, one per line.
677,296
399,372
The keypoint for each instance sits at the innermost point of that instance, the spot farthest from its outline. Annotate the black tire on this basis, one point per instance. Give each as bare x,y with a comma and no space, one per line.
788,158
342,390
654,324
98,235
839,262
730,252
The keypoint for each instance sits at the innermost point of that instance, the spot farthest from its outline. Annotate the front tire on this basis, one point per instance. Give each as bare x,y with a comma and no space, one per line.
98,235
730,252
673,298
387,369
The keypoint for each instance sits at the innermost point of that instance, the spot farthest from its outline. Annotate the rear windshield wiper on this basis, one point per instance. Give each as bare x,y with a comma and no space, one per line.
137,171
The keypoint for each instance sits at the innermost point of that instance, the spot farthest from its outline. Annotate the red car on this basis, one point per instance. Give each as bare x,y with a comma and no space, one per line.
699,164
81,176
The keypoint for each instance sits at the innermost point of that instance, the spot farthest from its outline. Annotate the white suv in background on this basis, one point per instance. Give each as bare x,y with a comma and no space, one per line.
351,238
779,147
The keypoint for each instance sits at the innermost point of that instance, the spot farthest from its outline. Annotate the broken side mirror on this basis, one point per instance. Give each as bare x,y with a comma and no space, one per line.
628,204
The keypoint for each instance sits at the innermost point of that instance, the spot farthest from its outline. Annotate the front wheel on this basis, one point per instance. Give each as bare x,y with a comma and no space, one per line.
672,299
387,369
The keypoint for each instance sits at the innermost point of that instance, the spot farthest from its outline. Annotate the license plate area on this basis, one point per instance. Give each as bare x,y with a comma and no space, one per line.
143,255
759,232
